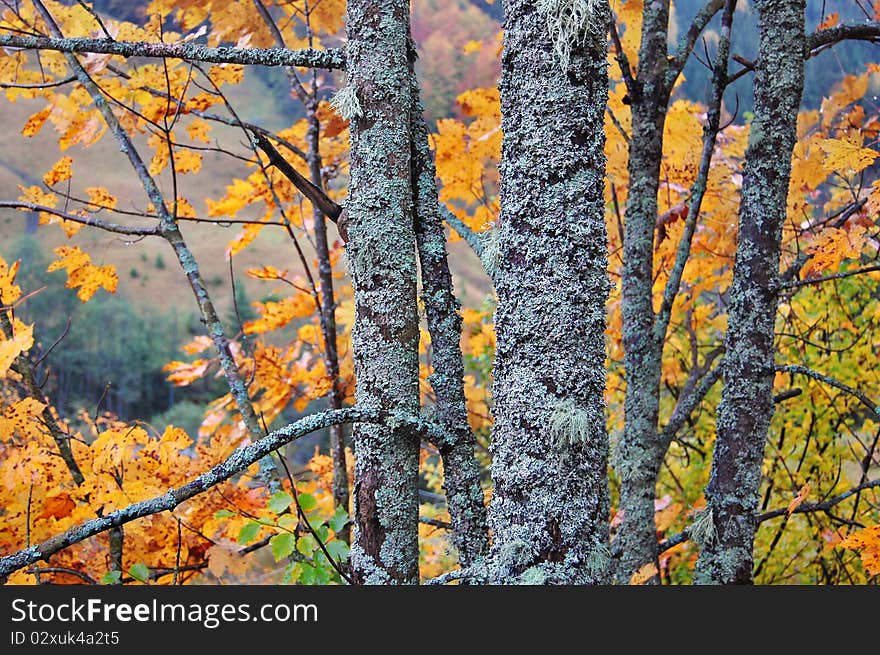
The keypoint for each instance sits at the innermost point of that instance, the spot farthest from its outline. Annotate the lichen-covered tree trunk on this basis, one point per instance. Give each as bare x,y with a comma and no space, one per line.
464,494
381,255
747,397
638,456
549,511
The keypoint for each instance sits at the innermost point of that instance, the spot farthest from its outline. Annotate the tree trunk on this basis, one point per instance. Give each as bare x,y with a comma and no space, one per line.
461,471
549,511
638,455
747,397
381,255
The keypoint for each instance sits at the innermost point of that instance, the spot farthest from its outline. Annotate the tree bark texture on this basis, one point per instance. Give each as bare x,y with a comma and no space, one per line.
381,255
461,471
549,511
638,456
746,406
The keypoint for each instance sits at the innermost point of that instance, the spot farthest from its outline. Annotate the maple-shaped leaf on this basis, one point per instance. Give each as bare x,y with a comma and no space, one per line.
82,274
276,315
199,130
21,341
61,171
57,506
187,161
833,246
847,154
867,542
9,291
100,197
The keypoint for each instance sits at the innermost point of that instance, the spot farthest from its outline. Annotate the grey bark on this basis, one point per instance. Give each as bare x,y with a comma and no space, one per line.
638,458
464,494
642,448
549,511
332,59
747,397
381,255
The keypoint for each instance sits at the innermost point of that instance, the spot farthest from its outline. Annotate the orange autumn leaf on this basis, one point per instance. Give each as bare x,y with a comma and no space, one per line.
100,197
830,21
82,274
266,273
9,291
798,500
21,341
867,542
645,573
847,154
61,171
185,373
187,161
57,506
276,315
35,122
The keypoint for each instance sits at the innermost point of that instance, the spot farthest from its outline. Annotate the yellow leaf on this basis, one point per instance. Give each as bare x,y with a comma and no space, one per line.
9,291
185,373
867,542
100,197
276,315
60,172
35,123
21,341
847,154
266,273
198,131
645,573
184,209
187,161
82,274
798,500
472,46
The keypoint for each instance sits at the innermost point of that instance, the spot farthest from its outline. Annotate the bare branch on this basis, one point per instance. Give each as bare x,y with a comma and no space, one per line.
91,221
316,196
826,278
308,58
473,238
824,38
832,382
686,45
818,507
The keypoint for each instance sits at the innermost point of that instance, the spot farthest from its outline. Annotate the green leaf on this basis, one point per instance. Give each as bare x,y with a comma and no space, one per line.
224,514
288,521
308,574
282,545
280,501
248,532
111,577
306,545
338,550
264,521
307,501
140,572
322,531
339,520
